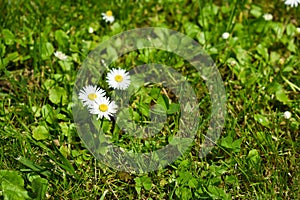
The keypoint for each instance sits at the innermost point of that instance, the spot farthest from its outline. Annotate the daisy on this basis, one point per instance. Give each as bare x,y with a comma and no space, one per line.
298,30
225,35
287,114
292,3
108,16
118,79
89,94
268,17
60,55
103,107
91,30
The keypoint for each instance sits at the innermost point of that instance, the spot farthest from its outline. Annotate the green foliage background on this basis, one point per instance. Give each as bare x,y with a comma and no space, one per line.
257,155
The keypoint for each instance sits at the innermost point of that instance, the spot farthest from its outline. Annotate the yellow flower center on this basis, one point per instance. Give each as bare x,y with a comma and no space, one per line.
119,78
103,107
92,96
109,13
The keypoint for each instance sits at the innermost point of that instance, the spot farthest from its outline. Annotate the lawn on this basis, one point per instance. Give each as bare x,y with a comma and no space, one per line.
203,105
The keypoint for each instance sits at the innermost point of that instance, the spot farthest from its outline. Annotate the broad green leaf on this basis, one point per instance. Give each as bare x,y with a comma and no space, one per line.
40,133
163,101
216,192
47,50
58,95
228,142
39,187
10,57
116,27
288,69
48,113
144,109
138,185
36,111
253,157
64,129
292,46
154,93
274,57
64,150
263,120
263,51
212,50
184,177
185,193
191,29
49,83
290,29
256,11
145,98
86,46
193,183
217,170
201,37
62,38
281,96
242,56
144,181
106,126
76,58
278,29
173,108
12,186
273,87
231,179
74,48
65,65
61,116
147,183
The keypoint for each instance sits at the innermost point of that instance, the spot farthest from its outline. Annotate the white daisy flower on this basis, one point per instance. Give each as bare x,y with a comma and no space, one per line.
103,107
292,3
118,79
108,16
298,30
233,63
287,114
268,17
60,55
91,30
89,94
225,35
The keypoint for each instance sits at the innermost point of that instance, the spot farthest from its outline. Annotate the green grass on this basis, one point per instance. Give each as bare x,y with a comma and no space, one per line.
257,155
